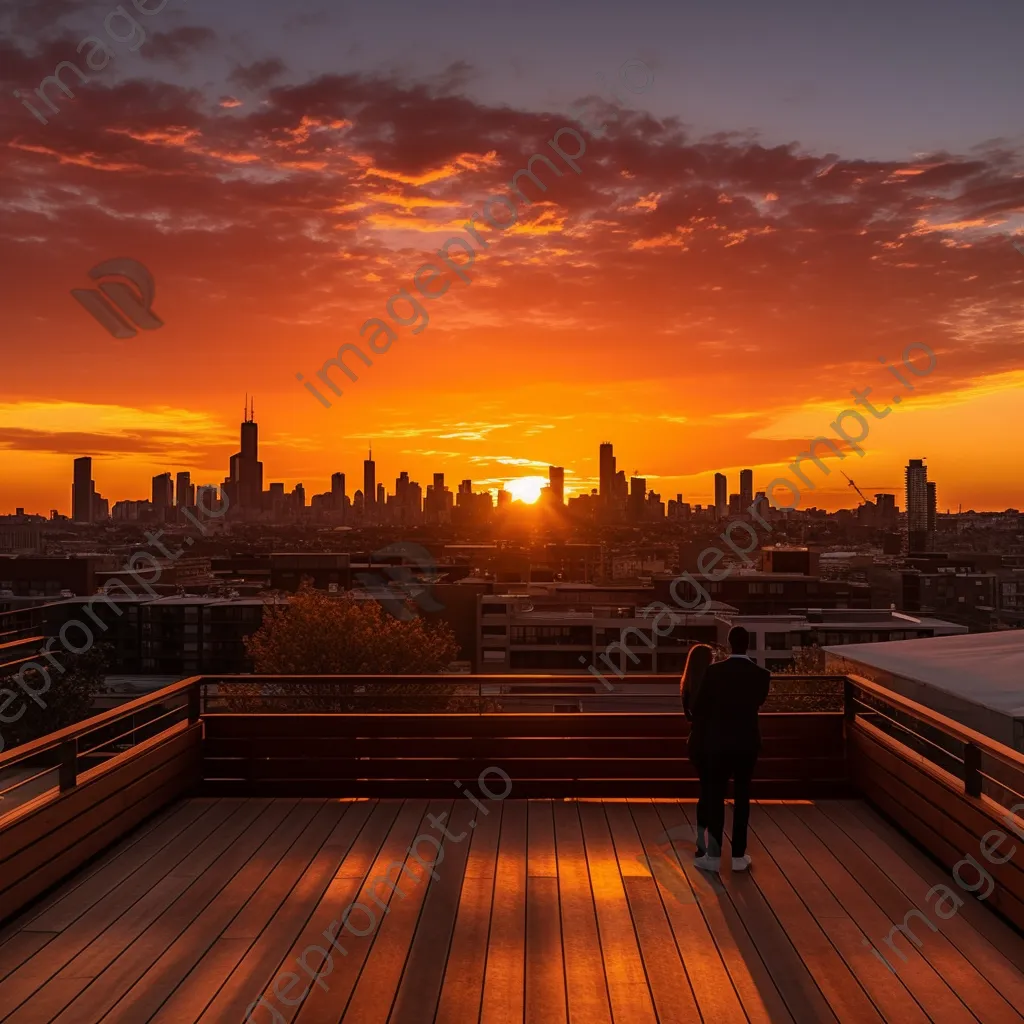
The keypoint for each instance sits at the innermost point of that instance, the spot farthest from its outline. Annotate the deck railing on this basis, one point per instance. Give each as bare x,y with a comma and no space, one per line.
68,795
958,793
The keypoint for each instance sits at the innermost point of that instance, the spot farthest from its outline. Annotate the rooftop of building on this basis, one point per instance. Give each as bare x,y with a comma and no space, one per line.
982,668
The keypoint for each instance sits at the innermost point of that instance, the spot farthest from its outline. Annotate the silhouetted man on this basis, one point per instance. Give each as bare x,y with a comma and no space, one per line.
725,719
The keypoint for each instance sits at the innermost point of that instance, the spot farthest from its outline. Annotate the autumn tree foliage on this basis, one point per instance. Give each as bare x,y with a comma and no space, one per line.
320,634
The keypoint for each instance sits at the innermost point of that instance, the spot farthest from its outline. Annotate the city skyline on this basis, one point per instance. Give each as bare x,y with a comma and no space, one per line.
745,240
243,488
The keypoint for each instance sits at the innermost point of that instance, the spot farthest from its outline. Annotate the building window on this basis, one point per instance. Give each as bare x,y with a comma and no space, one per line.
776,588
755,588
495,630
494,609
776,641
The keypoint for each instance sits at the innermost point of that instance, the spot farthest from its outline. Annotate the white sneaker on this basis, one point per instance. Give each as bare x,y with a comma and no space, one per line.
707,863
741,863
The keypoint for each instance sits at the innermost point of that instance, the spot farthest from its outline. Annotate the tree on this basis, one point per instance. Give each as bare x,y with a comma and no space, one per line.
68,699
815,694
319,634
811,661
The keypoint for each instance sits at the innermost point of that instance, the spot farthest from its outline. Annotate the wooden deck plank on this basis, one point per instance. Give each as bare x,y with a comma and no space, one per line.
628,990
53,913
462,990
725,968
258,968
669,983
505,975
837,983
669,986
57,911
975,993
180,941
544,995
870,898
688,930
806,864
374,992
791,977
547,912
326,1007
541,859
585,983
46,976
314,945
972,922
202,985
419,990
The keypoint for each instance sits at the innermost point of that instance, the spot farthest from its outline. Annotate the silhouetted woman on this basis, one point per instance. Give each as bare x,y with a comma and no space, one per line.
697,662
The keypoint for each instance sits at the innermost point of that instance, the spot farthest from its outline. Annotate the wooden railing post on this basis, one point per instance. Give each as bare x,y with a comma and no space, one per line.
67,772
194,706
849,708
972,770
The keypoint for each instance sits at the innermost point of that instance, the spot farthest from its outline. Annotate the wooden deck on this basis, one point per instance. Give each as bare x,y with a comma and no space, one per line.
547,911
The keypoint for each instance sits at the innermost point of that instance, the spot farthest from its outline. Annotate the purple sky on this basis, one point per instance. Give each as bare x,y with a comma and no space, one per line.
875,80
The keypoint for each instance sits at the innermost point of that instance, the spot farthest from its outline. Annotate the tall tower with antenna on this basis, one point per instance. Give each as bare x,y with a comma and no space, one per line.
244,483
370,487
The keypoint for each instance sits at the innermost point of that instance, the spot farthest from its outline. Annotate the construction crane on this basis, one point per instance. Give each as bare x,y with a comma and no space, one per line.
857,489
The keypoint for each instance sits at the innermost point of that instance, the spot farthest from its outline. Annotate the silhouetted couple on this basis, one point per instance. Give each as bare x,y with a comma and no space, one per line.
722,700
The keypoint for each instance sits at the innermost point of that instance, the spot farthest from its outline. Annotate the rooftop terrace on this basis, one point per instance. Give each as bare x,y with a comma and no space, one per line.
203,873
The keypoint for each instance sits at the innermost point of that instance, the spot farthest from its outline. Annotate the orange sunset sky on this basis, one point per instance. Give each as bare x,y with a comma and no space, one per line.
704,293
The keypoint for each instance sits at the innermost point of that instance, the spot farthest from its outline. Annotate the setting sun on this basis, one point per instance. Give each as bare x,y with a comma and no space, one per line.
527,488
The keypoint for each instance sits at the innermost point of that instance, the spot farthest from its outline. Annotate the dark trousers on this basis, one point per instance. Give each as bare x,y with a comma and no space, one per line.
721,766
699,760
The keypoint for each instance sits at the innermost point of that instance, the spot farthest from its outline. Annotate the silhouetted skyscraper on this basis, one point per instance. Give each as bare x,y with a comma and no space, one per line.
184,491
637,494
370,487
886,512
556,481
746,488
920,506
244,484
606,472
207,498
338,491
163,491
721,495
82,491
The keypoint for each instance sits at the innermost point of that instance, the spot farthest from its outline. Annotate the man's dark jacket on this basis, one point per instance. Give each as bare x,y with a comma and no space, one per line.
725,707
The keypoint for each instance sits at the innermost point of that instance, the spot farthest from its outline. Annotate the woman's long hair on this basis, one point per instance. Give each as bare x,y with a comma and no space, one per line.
697,662
698,659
